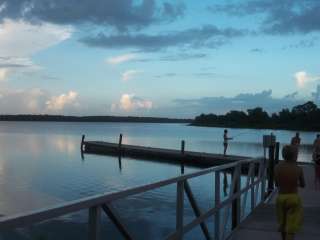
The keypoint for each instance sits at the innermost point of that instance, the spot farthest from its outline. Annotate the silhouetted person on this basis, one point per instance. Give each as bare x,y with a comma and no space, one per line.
225,142
316,160
316,150
296,140
288,177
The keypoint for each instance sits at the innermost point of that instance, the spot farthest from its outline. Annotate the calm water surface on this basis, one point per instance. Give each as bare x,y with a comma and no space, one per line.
41,165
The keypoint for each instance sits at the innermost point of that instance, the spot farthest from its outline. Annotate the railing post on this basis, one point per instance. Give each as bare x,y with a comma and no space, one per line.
263,180
179,210
182,156
271,169
236,203
253,199
94,223
277,153
217,203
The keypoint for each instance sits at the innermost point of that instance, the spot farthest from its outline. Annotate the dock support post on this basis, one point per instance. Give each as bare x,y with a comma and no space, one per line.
120,143
182,158
179,211
216,203
236,204
94,223
271,169
82,142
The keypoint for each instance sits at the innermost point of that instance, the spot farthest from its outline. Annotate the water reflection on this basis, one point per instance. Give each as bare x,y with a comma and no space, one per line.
41,164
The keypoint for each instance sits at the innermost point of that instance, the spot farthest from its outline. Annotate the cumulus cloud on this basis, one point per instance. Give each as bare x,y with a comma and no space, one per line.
57,103
302,78
129,103
36,101
279,16
121,14
121,58
129,74
205,36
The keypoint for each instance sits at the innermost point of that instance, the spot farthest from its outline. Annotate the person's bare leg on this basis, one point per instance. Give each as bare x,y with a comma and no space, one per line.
225,150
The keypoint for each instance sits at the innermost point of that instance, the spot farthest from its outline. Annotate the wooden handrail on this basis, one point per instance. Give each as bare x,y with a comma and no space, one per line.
98,201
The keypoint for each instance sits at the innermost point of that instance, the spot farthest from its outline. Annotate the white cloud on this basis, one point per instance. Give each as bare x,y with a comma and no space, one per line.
121,58
129,74
20,40
37,101
129,102
57,103
302,78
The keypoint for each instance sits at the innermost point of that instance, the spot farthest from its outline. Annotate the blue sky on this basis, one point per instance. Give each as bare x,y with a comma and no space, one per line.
157,58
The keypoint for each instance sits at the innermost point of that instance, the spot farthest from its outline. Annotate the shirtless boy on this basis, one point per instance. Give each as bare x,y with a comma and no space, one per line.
288,177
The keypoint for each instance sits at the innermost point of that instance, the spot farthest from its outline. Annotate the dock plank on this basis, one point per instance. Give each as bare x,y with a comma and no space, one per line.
262,223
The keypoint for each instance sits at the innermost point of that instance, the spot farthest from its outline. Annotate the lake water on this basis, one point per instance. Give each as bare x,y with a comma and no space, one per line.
41,165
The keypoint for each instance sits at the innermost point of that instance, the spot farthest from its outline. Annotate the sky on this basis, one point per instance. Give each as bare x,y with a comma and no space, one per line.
157,58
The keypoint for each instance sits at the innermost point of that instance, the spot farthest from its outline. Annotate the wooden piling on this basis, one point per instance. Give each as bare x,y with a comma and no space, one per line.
182,158
82,143
120,143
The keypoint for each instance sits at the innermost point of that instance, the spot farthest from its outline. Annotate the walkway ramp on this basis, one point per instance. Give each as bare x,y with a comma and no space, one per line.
262,223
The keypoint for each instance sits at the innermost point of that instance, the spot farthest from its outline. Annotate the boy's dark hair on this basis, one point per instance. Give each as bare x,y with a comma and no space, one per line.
225,130
289,153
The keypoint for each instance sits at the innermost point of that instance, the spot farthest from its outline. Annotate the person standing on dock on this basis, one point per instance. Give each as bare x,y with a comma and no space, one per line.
316,149
288,177
316,160
225,142
295,142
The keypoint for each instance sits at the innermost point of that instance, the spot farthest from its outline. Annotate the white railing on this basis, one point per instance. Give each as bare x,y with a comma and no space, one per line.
255,184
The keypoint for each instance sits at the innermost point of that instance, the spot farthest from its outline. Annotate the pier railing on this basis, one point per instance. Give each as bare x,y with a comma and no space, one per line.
232,209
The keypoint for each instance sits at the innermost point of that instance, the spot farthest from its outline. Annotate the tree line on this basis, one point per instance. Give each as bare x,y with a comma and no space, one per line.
301,117
62,118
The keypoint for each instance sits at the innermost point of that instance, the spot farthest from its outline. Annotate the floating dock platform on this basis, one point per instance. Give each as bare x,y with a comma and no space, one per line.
199,159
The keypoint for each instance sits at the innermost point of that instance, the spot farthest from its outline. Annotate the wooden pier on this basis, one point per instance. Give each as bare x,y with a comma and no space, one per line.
224,209
200,159
262,223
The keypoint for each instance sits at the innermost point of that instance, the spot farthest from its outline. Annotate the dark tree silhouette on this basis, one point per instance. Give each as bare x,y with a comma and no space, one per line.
301,117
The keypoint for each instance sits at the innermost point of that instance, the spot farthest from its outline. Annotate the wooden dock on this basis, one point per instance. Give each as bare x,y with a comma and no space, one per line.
200,159
262,224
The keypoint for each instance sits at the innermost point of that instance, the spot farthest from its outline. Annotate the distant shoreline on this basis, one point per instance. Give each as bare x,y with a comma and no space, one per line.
61,118
280,127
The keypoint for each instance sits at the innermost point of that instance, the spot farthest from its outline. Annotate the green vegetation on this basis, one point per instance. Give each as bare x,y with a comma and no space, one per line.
302,117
